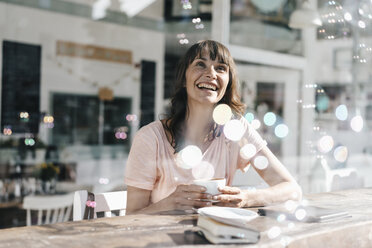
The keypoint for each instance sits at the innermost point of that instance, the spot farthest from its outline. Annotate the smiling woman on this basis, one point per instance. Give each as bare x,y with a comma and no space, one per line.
158,175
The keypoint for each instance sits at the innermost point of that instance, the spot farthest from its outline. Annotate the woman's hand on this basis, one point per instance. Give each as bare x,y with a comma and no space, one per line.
187,197
231,197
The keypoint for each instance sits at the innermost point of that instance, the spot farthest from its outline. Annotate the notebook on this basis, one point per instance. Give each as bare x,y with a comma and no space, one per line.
232,216
227,225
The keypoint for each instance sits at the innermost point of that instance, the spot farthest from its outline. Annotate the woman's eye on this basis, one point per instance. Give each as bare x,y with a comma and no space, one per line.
200,64
222,68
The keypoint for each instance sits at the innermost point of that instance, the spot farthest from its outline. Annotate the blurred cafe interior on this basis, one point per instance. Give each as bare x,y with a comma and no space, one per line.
80,77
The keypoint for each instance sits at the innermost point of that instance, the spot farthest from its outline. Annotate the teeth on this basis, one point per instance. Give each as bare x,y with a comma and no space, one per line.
207,86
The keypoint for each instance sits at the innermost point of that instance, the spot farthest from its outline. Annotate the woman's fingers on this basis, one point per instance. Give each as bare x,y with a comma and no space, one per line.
189,203
228,198
187,197
228,204
229,190
190,188
195,195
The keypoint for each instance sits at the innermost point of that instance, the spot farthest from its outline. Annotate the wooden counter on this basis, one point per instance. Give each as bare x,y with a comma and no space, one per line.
173,230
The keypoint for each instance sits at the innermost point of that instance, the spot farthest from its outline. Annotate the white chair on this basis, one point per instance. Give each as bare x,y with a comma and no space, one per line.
105,202
340,179
57,208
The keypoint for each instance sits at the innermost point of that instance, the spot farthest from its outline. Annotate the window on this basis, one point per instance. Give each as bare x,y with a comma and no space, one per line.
76,119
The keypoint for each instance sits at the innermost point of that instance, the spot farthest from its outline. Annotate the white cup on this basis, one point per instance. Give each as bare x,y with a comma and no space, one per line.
211,184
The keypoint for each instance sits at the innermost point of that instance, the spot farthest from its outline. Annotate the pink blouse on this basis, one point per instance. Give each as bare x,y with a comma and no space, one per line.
152,162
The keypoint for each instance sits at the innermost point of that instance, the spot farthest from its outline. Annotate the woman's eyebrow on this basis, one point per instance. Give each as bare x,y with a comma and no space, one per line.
202,58
222,62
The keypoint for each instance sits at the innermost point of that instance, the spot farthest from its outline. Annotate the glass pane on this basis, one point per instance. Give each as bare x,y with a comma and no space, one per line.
264,25
76,119
117,121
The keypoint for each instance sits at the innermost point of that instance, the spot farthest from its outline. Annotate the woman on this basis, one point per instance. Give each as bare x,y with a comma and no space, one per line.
205,77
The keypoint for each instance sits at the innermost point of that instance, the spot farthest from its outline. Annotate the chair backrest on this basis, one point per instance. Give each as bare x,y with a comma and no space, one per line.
105,202
57,208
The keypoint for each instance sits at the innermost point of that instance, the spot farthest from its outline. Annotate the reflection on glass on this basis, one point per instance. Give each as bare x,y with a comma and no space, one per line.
264,25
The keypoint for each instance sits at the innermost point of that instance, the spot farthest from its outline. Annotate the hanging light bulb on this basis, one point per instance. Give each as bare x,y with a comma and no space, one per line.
304,17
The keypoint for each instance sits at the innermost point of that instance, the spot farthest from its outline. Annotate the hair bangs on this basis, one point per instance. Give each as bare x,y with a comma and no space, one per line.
216,51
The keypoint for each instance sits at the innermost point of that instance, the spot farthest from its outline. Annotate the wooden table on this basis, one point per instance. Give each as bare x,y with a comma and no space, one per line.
172,230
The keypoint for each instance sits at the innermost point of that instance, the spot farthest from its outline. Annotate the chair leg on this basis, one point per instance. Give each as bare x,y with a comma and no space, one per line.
55,215
47,218
28,217
61,214
39,216
67,214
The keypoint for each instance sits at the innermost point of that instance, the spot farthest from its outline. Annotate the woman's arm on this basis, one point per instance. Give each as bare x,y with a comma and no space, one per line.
137,199
282,186
185,197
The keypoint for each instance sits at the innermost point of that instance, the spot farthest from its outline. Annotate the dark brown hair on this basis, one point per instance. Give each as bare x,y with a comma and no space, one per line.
174,122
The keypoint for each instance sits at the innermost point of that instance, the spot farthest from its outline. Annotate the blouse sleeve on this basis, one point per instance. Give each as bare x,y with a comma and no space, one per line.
141,166
251,136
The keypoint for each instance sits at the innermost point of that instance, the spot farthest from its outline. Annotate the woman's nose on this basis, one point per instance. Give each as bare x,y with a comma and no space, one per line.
211,72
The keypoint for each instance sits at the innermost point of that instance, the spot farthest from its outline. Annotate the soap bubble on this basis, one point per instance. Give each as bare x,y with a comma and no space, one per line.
281,130
261,162
248,151
274,232
341,112
269,118
256,124
356,123
340,154
234,130
325,144
222,114
249,117
204,170
188,157
300,214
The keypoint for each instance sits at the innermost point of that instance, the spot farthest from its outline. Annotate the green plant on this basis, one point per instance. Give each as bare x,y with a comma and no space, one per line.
8,143
47,171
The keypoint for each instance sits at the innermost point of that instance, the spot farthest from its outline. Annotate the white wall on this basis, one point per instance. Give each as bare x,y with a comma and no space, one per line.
44,28
324,61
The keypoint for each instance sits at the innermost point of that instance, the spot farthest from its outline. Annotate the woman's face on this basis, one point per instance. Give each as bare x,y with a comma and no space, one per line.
206,80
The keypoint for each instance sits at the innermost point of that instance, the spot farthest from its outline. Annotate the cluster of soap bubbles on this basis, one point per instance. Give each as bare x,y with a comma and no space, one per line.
121,133
191,156
7,131
334,19
270,119
197,22
186,4
299,212
103,180
182,39
363,53
356,122
29,142
338,22
24,116
48,121
326,144
131,117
